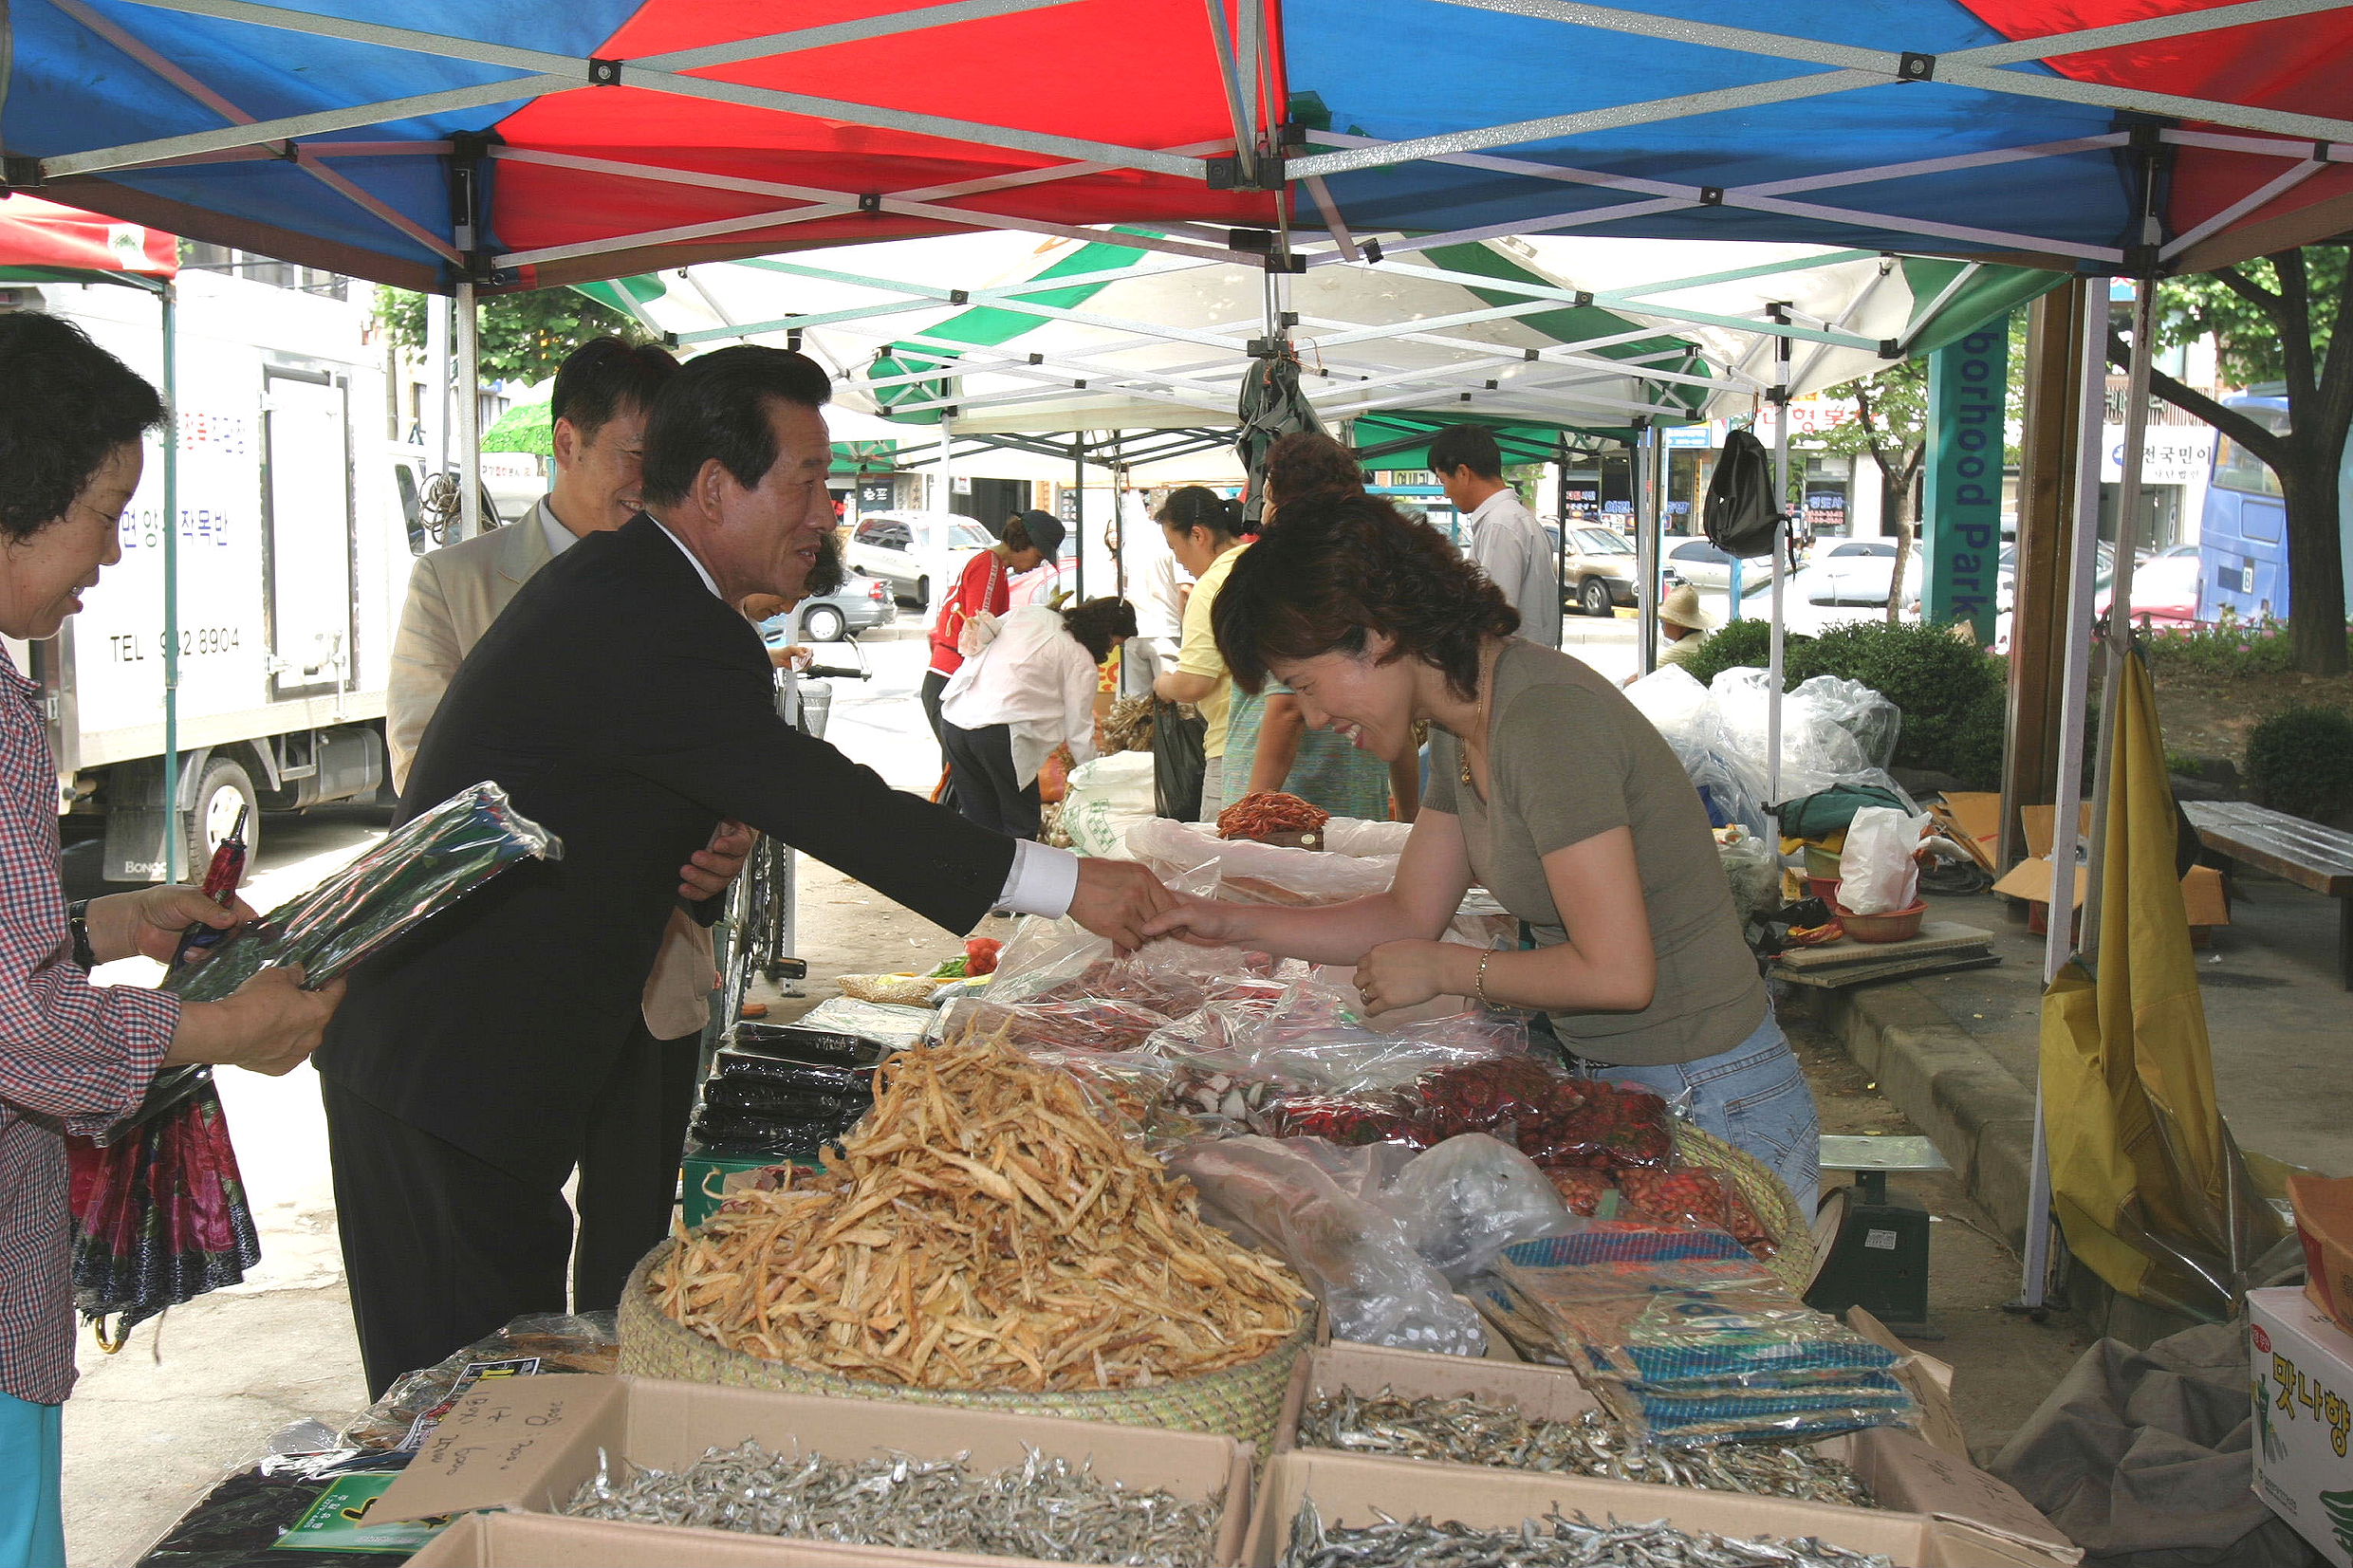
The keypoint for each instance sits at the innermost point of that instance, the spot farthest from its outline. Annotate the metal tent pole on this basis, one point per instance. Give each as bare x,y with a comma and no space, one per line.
173,838
468,338
1078,504
438,368
1781,535
1559,513
2120,593
2068,789
1645,467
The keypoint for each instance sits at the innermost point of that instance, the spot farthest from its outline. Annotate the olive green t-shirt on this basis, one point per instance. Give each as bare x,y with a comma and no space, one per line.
1569,759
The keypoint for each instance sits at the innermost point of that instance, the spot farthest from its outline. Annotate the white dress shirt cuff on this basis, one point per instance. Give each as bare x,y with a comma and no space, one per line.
1043,881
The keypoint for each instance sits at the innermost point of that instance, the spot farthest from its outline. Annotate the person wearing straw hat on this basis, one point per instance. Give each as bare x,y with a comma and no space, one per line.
1683,624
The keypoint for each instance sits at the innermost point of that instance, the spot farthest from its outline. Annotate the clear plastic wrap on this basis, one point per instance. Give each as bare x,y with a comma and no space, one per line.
533,1343
1374,1286
1463,1202
1100,1025
1688,1339
1875,723
1250,873
1304,1032
1753,867
883,1022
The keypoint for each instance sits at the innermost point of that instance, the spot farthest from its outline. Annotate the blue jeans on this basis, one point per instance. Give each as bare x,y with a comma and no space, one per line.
1755,1096
32,1531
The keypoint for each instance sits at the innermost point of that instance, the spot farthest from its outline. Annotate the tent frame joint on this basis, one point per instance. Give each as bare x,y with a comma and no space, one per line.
19,172
1913,66
604,72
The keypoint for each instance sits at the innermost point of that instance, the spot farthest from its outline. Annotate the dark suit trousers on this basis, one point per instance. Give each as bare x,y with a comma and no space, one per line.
441,1247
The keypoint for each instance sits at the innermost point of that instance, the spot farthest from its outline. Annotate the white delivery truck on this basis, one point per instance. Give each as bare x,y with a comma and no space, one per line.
298,524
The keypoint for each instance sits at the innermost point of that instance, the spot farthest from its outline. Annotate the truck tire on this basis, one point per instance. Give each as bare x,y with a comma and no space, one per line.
221,790
922,593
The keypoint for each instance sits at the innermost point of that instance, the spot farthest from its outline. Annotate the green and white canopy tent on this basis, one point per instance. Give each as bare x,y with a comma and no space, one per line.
1019,343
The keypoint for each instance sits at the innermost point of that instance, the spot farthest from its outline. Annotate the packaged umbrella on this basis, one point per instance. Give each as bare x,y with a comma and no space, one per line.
159,1210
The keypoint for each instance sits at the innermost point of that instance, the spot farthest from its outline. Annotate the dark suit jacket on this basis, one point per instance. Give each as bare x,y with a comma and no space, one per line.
628,708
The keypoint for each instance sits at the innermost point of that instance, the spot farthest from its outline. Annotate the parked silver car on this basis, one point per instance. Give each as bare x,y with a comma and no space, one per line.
914,552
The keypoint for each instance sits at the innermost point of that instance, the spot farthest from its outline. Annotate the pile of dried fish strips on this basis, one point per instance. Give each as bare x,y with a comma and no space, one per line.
1557,1540
983,1228
1045,1508
1474,1431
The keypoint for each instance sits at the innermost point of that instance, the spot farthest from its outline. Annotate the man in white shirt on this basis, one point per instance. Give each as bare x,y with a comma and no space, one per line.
1507,542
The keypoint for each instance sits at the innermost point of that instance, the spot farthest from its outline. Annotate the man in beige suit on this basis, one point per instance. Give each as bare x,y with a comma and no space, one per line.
603,395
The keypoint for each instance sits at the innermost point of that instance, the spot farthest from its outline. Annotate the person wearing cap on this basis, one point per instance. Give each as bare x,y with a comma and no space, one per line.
985,588
1683,624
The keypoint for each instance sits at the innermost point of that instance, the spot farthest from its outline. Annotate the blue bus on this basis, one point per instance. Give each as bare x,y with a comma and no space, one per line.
2243,535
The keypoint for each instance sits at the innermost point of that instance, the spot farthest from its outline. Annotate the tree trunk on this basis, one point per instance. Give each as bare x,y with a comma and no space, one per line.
2315,558
1895,508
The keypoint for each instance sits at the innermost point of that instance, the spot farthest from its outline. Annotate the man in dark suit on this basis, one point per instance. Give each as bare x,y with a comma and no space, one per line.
625,704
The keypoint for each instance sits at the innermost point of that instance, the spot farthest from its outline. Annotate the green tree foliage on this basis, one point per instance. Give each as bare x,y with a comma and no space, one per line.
1890,427
2276,319
2300,761
523,336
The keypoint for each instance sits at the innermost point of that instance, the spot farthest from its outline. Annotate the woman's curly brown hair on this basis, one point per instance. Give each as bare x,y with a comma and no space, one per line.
1340,568
1306,464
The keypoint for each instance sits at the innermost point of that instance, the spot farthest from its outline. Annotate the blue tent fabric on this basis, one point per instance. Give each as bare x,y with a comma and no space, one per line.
60,68
1370,63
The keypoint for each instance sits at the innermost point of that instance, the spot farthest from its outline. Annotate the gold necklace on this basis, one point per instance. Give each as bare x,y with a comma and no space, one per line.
1462,746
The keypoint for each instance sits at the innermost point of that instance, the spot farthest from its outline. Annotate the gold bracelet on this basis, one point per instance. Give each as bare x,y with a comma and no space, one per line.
1479,984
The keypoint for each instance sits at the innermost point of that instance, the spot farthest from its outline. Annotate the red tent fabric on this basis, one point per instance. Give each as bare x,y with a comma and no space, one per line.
2298,63
35,234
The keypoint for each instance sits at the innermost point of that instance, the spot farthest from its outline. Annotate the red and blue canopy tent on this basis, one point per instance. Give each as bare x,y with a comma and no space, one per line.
532,143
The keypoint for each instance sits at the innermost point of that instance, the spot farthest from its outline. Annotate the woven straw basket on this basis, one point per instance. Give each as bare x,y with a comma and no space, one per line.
1776,1208
1245,1402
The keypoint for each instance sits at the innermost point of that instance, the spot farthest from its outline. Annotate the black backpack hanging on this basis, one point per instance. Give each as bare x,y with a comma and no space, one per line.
1743,515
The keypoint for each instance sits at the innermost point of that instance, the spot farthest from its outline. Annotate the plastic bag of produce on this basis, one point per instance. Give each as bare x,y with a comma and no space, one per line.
1878,874
905,990
1106,797
1355,1257
1462,1202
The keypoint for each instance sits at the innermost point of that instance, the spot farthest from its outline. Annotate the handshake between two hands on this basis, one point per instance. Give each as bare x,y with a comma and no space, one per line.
1126,903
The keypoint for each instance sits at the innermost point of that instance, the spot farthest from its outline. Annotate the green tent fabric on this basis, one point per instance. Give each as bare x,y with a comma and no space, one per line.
1573,323
987,326
1989,293
625,294
1520,441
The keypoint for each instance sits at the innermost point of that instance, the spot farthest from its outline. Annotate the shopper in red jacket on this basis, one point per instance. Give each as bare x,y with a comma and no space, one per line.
1030,540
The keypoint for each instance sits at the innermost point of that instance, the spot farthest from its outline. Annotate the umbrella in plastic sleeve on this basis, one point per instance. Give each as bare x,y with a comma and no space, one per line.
159,1210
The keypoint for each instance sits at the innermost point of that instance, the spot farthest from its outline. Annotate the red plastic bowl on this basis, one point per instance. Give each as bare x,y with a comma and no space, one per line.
1892,926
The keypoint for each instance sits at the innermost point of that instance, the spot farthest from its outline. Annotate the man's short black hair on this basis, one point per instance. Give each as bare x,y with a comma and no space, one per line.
606,377
1469,447
69,403
716,407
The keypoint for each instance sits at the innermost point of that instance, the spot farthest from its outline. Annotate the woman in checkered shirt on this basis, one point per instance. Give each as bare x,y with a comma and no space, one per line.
75,1056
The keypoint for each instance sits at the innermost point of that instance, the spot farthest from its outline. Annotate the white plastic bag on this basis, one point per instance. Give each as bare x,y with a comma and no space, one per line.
1105,799
1462,1202
1877,871
977,633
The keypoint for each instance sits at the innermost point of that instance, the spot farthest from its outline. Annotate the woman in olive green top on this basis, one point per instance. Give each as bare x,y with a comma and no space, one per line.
1547,788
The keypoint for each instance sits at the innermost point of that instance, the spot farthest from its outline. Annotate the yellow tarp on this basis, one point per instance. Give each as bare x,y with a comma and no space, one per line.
2150,1190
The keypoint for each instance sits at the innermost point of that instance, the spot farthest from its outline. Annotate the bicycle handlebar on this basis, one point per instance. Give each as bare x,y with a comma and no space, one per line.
827,672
